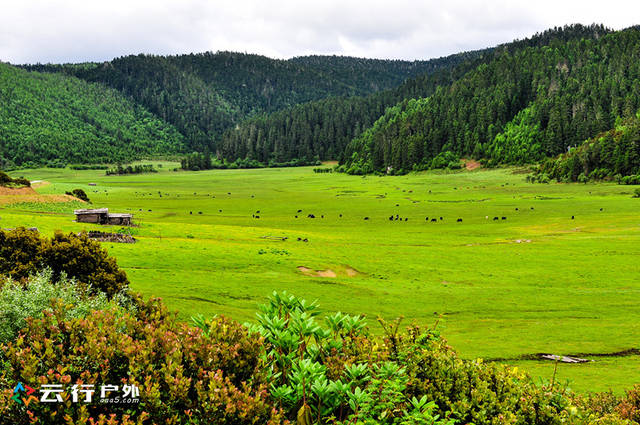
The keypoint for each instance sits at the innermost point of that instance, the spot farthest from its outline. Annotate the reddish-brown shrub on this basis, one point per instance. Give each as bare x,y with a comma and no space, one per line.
184,376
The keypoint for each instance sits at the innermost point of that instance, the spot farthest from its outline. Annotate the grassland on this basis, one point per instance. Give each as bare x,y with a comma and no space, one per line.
538,281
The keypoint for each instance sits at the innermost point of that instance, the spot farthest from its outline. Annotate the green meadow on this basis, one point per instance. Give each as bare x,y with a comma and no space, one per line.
537,281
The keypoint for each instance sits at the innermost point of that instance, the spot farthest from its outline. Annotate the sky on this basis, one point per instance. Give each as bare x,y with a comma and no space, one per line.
61,31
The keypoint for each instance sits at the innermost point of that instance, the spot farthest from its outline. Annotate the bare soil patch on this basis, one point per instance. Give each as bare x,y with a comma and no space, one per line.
348,271
27,194
471,164
16,191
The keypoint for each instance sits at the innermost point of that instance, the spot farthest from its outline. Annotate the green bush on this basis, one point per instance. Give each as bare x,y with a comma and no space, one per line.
19,302
24,252
6,180
446,159
340,374
80,194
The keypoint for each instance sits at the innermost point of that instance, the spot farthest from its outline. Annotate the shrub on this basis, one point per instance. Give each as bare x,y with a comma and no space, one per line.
630,180
23,252
184,374
6,180
340,374
80,194
629,407
636,193
446,159
19,302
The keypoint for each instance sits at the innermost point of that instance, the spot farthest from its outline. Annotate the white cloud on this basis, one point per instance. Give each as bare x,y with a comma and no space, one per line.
89,30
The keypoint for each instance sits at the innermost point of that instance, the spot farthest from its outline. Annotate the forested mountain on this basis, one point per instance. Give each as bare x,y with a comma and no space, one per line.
204,94
56,119
323,129
615,153
520,102
520,107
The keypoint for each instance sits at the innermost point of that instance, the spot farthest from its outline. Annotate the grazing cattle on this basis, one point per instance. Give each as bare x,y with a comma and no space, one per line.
390,218
200,212
426,218
305,240
531,207
504,218
433,220
296,216
406,219
516,209
459,220
258,212
322,216
299,211
228,193
257,216
219,210
397,205
340,216
441,218
253,216
601,209
149,210
366,218
311,216
299,239
573,217
495,218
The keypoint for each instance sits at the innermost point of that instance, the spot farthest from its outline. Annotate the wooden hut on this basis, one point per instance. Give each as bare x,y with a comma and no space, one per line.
102,216
98,216
120,219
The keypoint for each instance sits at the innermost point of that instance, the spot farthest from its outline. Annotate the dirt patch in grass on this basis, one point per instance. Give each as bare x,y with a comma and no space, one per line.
21,195
351,272
347,271
36,198
16,191
471,164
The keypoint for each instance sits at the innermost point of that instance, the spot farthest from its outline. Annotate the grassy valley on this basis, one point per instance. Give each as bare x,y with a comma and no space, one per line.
556,275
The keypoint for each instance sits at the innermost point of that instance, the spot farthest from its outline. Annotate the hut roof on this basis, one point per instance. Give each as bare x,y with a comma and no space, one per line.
94,211
120,215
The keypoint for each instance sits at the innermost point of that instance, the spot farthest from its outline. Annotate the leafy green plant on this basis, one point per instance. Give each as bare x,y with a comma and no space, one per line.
39,295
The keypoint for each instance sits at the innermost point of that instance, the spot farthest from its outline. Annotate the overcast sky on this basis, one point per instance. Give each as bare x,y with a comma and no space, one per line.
98,30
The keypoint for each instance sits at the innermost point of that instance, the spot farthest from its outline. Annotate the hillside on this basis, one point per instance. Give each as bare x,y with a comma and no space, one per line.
520,107
614,153
323,129
53,119
204,94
